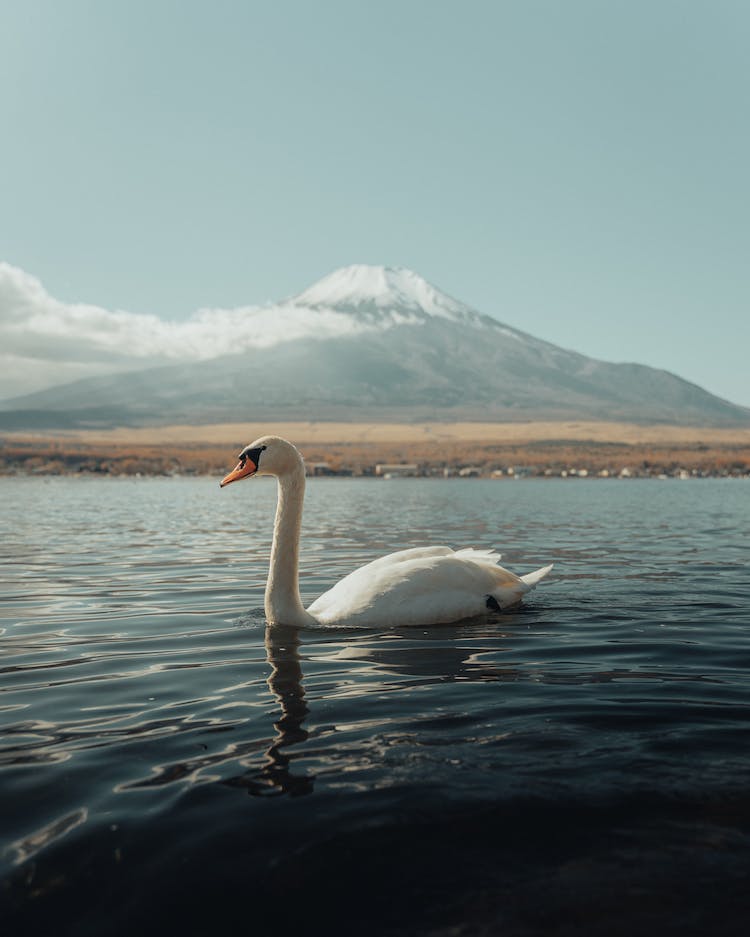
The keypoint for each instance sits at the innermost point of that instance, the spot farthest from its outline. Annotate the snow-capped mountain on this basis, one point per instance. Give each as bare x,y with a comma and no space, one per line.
365,343
381,297
390,294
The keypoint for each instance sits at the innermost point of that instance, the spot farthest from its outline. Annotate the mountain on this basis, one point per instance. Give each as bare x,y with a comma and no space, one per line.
370,343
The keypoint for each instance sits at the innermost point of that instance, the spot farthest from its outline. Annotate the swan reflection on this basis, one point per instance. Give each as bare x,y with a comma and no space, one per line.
269,760
285,683
383,664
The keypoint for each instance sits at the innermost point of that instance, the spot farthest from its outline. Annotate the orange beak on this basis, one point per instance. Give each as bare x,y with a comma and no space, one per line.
241,470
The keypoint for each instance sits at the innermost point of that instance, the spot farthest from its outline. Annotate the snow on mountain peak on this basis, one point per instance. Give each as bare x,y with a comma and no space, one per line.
383,287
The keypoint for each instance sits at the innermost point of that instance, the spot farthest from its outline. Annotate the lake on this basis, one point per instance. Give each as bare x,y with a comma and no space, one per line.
169,764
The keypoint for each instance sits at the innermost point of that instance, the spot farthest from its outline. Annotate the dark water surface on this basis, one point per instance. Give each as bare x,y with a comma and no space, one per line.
168,764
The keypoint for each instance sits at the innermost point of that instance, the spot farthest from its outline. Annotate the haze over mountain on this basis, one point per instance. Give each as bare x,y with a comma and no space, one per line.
365,343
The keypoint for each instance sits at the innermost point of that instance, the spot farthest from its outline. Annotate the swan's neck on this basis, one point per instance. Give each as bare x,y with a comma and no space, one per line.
283,603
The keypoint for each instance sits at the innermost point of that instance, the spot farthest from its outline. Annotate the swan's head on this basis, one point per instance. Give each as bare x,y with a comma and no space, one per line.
269,455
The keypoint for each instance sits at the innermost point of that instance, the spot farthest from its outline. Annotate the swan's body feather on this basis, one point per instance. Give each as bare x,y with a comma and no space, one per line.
419,586
424,585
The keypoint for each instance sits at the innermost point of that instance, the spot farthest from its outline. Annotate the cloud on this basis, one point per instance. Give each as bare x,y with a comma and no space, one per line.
44,342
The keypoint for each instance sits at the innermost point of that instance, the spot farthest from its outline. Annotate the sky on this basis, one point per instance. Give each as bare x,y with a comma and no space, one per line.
576,169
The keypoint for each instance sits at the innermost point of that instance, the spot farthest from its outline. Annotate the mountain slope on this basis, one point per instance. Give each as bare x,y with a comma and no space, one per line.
381,343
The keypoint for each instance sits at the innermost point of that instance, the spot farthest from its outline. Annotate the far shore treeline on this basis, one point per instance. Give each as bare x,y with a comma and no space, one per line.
505,451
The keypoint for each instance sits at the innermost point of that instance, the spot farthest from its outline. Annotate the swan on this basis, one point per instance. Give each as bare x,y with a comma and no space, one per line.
418,586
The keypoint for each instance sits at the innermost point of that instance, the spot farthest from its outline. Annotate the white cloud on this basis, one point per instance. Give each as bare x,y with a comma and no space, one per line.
44,342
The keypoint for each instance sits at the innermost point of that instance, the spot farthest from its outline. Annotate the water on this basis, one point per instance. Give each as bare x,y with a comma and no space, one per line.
169,764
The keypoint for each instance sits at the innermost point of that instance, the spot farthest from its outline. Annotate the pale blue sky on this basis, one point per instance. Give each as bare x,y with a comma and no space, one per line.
577,168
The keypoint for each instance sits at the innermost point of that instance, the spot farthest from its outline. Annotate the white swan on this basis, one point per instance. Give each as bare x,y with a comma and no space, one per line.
421,586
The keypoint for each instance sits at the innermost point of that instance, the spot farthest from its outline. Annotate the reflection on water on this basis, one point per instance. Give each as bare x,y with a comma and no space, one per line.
143,696
285,683
29,845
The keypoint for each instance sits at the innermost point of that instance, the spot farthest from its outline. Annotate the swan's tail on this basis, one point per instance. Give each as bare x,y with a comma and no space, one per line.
515,587
531,579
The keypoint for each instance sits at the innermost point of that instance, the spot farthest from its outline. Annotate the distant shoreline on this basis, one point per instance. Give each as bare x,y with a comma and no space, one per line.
501,450
313,432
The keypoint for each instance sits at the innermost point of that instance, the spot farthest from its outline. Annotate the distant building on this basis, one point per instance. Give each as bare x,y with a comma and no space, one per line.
319,468
402,469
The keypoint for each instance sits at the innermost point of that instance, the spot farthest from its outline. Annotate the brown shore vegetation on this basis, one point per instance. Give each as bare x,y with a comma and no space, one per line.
482,449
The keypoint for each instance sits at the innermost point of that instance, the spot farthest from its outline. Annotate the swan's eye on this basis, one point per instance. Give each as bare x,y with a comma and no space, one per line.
253,454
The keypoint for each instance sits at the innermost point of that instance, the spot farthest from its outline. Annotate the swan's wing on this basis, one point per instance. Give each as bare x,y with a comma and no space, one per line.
360,581
357,588
429,586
